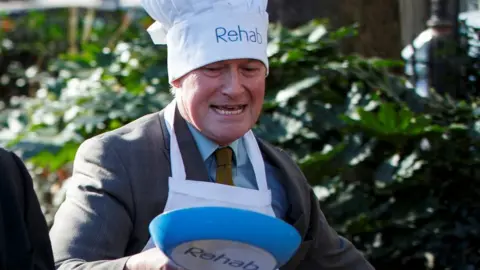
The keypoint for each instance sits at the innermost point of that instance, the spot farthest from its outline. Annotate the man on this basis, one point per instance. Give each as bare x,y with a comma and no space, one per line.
24,242
183,156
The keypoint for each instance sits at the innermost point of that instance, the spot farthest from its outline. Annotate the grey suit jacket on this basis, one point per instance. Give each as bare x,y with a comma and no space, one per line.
120,183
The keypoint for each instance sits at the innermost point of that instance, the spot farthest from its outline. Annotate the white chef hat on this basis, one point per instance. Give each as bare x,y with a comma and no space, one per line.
200,32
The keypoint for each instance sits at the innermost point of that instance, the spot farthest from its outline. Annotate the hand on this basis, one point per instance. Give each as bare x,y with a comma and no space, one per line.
152,259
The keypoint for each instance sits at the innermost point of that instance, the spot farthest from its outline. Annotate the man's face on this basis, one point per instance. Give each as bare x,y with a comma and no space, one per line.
223,100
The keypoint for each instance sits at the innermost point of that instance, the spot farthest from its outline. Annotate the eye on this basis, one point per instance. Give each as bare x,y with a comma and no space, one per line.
212,70
251,70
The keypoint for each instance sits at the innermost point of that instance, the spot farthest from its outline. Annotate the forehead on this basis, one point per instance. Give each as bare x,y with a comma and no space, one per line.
237,62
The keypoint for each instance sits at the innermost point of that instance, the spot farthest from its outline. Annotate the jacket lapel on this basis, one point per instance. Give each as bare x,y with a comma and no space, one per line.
292,179
188,148
297,194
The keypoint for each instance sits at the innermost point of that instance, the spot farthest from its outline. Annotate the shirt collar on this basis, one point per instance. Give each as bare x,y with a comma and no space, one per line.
206,146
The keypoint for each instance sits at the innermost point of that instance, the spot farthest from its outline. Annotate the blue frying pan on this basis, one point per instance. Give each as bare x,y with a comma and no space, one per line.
273,236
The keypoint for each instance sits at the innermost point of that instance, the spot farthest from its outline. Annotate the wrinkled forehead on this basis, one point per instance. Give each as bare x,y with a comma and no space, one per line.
232,64
238,61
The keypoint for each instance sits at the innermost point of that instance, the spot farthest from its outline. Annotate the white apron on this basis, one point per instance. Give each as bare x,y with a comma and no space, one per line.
184,193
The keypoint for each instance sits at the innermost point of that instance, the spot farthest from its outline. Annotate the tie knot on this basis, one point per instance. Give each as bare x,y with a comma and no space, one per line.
224,156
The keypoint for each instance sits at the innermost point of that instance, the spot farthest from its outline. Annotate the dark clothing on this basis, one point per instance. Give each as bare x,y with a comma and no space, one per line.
24,239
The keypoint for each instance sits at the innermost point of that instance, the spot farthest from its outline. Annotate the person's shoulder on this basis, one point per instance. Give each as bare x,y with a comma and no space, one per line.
7,162
143,126
4,153
143,131
8,159
277,150
287,158
12,169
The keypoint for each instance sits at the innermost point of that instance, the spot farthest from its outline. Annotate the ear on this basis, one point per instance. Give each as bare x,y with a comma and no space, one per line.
177,83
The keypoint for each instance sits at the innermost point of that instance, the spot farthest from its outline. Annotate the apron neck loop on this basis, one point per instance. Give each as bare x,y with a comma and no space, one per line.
176,160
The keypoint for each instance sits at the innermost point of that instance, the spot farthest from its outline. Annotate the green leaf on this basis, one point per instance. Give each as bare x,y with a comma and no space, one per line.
292,56
404,117
55,160
370,121
386,63
387,117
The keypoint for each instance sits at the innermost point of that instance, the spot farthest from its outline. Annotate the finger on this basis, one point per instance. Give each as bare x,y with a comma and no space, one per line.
172,266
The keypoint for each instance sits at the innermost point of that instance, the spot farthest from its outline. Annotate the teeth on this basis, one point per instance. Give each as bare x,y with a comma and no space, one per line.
230,107
229,110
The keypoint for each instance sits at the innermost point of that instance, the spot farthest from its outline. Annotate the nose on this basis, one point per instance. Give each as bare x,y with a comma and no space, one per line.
233,85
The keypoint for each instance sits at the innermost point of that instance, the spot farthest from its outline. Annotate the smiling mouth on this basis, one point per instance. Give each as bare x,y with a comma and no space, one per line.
229,110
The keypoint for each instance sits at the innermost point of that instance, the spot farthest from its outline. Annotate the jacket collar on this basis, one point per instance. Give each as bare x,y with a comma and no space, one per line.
188,148
207,146
293,181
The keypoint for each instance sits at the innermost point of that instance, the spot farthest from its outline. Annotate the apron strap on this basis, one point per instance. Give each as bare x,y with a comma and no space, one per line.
177,167
177,159
256,159
189,151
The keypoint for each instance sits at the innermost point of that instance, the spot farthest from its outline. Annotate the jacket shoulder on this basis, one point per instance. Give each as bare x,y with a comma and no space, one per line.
285,161
284,154
142,133
267,144
12,168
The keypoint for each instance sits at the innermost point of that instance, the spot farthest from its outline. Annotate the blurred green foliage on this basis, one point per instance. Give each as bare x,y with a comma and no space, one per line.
395,173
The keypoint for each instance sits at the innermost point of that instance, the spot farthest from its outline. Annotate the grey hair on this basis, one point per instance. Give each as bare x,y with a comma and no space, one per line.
173,90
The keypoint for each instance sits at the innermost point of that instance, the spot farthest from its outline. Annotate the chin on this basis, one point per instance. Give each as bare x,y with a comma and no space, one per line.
227,136
224,139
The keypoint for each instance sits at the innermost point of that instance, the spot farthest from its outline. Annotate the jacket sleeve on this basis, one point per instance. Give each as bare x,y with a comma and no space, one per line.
24,241
36,225
92,227
328,250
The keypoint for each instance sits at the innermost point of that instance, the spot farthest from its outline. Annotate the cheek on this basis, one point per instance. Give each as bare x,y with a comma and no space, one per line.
258,94
192,94
197,102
